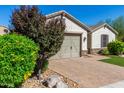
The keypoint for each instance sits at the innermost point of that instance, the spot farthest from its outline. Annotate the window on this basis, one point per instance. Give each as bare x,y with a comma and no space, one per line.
6,31
104,40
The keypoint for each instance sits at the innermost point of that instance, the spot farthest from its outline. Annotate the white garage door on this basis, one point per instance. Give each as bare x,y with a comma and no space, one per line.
70,47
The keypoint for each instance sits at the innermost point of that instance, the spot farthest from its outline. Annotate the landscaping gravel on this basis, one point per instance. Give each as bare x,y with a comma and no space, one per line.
33,82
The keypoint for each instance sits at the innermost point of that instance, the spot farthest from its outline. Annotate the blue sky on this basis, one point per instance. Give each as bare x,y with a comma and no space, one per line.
89,15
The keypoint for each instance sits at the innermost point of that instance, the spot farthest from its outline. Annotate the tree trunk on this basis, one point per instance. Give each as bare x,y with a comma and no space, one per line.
38,75
39,66
42,58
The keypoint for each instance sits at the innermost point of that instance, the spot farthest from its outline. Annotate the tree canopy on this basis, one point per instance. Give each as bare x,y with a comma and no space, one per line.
47,32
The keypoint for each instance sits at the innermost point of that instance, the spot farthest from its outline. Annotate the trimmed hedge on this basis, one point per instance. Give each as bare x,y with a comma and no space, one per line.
18,55
116,47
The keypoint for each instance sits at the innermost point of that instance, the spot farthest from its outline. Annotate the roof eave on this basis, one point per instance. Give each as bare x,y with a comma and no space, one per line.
64,13
105,24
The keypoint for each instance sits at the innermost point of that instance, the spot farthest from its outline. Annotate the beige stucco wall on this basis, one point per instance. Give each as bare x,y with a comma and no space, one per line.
71,27
96,37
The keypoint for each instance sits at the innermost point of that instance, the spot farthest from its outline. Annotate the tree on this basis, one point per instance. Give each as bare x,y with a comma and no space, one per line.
118,24
48,33
27,20
109,21
100,22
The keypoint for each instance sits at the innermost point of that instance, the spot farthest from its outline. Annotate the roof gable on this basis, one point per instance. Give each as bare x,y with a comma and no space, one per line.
95,28
69,16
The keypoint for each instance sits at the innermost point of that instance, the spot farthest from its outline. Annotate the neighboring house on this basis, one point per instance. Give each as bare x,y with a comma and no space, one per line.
4,30
100,36
80,39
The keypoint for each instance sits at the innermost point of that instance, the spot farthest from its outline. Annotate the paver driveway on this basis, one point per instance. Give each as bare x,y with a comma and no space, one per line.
87,71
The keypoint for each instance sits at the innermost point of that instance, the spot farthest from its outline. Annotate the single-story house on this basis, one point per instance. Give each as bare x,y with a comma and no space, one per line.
79,39
4,30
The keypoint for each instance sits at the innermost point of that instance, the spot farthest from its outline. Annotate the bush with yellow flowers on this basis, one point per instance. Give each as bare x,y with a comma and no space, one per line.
18,55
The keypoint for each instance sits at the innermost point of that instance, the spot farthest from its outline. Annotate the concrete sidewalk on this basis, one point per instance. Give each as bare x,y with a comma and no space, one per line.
119,84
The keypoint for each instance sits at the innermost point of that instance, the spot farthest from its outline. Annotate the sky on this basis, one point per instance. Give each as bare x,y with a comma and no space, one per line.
88,14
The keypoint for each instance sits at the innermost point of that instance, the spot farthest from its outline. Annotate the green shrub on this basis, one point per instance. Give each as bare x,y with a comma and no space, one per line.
116,47
18,56
104,52
45,65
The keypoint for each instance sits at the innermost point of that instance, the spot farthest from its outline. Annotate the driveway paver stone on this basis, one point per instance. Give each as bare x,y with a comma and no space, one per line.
88,71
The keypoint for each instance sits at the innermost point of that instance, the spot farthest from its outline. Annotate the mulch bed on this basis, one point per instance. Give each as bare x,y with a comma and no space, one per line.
33,82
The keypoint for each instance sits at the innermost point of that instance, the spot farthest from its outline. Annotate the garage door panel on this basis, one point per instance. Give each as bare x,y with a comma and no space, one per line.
66,55
65,52
70,47
75,54
75,46
56,56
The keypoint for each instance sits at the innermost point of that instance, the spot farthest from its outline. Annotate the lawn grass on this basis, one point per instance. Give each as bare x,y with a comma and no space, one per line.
114,60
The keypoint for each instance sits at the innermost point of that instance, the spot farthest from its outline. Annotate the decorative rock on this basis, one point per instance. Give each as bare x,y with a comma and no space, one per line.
61,84
52,81
122,55
35,78
41,77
